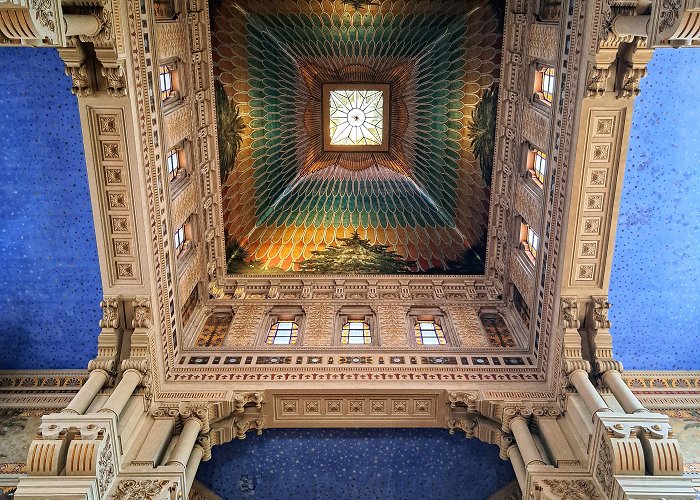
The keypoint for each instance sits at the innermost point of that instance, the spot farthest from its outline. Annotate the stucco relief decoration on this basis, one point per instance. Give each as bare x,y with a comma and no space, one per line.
110,313
604,466
597,79
105,467
142,312
44,14
669,13
577,489
604,126
145,489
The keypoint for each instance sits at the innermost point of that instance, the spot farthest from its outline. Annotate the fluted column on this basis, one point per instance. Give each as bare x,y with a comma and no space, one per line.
192,465
593,401
516,460
118,399
92,387
188,437
622,393
526,444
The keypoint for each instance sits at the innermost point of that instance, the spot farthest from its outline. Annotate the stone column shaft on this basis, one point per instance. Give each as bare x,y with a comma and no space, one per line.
622,393
526,444
82,24
516,460
594,402
192,465
87,393
631,25
118,399
188,437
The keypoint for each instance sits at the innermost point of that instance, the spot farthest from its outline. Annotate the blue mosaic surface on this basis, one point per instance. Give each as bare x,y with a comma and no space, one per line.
339,464
50,283
655,280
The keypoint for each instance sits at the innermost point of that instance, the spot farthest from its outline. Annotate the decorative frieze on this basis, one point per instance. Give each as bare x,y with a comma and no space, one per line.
361,410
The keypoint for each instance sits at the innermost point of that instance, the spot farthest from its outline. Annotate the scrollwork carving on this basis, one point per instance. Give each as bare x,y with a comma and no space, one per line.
600,313
573,489
604,466
44,14
669,14
569,313
110,312
630,82
596,82
142,312
470,400
116,80
106,470
143,489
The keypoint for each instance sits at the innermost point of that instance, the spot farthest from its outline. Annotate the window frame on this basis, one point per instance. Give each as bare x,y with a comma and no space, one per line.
349,314
545,84
529,241
417,315
179,235
536,165
276,315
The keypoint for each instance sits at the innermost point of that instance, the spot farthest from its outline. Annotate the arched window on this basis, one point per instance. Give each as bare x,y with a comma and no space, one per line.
356,332
283,332
429,332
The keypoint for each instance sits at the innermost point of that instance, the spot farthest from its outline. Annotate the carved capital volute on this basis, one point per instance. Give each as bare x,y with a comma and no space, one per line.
469,400
243,399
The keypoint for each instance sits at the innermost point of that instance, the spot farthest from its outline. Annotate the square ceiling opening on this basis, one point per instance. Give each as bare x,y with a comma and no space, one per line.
356,117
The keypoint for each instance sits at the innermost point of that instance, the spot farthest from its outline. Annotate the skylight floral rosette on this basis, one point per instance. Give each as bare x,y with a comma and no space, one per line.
286,196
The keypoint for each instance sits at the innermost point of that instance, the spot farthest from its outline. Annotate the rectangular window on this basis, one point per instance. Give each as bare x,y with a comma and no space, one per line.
532,243
545,82
548,81
166,81
429,333
173,162
537,165
283,332
179,238
356,332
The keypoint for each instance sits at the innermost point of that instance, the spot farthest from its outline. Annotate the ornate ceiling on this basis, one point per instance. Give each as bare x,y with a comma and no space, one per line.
420,206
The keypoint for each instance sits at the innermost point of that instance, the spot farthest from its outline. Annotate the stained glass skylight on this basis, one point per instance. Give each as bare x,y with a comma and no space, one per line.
356,117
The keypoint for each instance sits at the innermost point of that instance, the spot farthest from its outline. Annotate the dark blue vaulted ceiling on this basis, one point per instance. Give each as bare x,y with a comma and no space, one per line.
50,280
